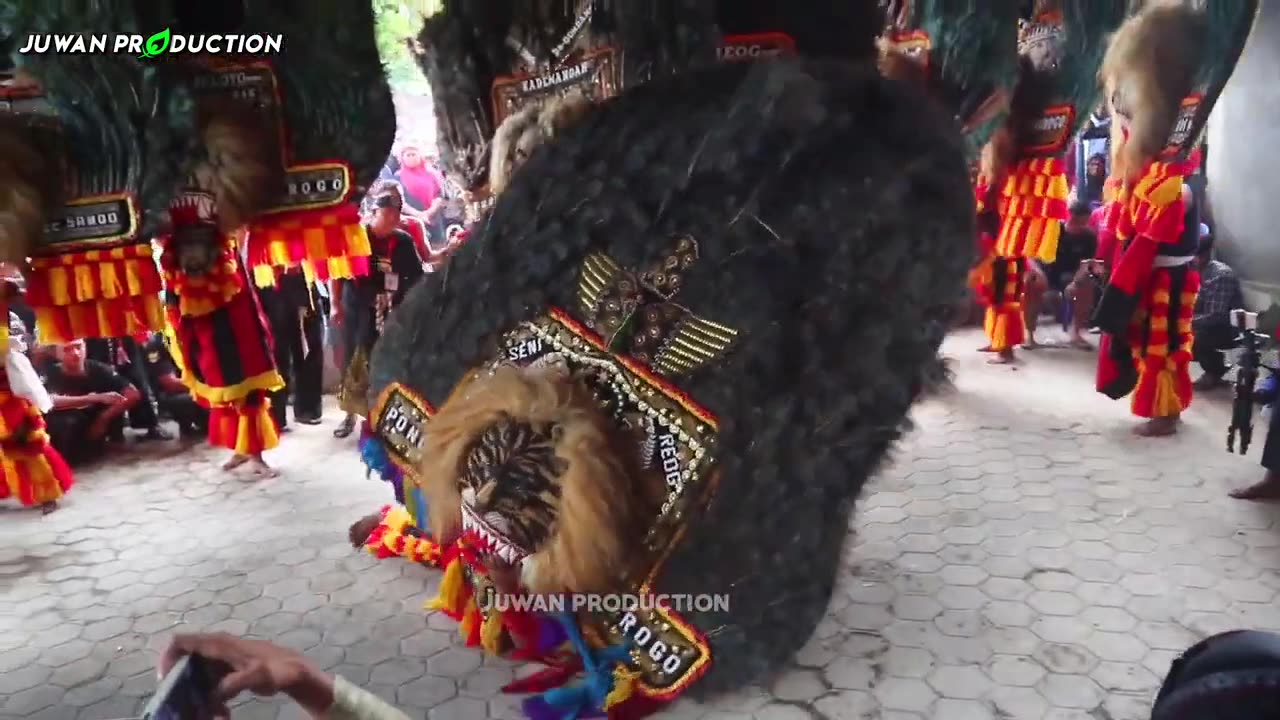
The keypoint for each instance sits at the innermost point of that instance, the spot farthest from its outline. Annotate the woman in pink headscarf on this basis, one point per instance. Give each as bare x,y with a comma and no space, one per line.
423,186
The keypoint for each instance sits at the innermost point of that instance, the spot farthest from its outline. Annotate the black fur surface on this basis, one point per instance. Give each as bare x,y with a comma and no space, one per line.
834,217
336,98
129,125
465,49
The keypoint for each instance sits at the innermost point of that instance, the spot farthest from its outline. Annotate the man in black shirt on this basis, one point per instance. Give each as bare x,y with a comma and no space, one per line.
173,397
1049,283
124,354
294,312
89,402
361,304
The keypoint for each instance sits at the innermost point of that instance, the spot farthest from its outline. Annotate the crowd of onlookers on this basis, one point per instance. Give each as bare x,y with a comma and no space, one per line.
106,390
103,390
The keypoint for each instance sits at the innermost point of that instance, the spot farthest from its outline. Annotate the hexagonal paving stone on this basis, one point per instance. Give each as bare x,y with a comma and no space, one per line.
105,629
905,694
426,692
1071,691
846,705
1117,647
79,672
961,682
953,709
31,700
459,708
454,662
799,686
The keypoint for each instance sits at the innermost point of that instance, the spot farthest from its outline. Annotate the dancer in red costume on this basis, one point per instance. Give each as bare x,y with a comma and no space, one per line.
31,471
1162,74
222,338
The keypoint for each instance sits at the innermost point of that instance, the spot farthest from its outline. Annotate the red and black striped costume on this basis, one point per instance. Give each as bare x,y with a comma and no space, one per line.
1145,311
224,344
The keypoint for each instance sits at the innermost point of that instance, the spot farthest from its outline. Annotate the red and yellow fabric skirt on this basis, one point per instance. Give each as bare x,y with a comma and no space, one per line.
31,470
1002,294
228,363
1155,359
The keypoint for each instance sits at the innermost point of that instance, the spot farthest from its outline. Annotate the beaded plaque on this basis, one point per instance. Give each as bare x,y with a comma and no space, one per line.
679,442
595,74
400,419
627,335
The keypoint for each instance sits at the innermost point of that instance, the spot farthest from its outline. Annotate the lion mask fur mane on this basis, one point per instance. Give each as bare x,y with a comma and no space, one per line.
1150,66
604,501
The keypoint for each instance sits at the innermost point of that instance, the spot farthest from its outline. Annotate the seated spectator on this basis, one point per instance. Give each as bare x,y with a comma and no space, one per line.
125,355
1220,293
1048,284
89,403
172,395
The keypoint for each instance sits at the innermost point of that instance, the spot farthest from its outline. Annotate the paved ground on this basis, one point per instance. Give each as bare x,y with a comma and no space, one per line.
1024,557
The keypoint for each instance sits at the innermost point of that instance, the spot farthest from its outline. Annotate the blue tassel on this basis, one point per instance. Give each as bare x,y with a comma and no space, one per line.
587,699
375,458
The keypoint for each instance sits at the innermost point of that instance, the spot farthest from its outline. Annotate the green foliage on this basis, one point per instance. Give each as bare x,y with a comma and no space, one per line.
398,23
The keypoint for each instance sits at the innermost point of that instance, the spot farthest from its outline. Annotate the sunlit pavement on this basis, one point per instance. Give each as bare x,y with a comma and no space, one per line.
1024,556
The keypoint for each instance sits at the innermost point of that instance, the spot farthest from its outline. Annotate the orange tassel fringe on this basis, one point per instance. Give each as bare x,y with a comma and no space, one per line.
31,470
329,243
1004,323
1032,203
1164,379
96,293
245,427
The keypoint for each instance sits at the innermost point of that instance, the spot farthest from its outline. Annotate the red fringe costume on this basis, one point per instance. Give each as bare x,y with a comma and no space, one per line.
1030,205
223,341
31,471
96,293
1145,311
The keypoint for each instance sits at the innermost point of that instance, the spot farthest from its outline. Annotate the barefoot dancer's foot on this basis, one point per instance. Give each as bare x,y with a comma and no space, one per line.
986,348
1158,427
1030,344
1004,358
49,507
1078,342
262,469
1268,489
361,529
236,461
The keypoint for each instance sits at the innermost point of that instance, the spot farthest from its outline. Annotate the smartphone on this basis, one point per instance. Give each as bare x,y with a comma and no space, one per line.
186,692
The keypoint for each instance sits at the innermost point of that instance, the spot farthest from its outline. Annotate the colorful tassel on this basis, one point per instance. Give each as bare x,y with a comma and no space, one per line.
543,680
451,599
590,698
491,632
376,460
396,536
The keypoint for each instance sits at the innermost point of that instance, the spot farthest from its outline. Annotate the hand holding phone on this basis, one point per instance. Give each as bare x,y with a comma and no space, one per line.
227,666
188,692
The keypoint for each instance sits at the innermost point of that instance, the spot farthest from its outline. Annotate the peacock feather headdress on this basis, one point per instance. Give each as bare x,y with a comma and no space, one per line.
964,51
507,76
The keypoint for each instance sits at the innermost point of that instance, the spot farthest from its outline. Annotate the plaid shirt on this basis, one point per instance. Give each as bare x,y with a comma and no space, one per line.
1219,294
